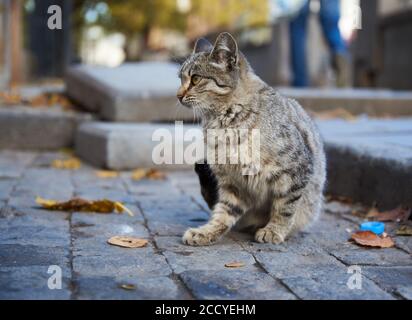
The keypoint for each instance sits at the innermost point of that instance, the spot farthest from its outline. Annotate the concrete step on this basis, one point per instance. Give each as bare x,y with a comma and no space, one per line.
38,128
371,102
368,160
132,92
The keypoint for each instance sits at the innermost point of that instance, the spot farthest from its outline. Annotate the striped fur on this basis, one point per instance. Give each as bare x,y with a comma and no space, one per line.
286,194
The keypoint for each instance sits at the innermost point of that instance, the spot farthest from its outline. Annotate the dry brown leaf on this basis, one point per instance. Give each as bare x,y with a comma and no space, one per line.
404,231
82,205
39,101
370,239
72,163
398,214
151,174
234,265
127,242
106,174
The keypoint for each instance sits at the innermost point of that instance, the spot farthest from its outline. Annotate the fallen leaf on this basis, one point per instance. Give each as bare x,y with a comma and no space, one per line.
105,174
151,174
10,98
398,214
370,239
72,163
234,265
120,207
404,231
127,242
128,286
82,205
138,174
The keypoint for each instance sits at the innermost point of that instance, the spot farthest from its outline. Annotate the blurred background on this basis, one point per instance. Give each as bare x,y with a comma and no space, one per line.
376,33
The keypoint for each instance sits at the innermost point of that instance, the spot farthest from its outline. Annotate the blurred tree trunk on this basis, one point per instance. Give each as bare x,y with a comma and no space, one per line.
16,42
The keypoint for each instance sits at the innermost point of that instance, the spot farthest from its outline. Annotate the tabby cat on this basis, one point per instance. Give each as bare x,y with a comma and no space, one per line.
285,195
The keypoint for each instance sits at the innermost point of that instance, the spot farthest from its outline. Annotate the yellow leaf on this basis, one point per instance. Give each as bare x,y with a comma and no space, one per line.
107,174
45,203
138,174
82,205
69,164
234,265
127,286
127,242
120,207
151,174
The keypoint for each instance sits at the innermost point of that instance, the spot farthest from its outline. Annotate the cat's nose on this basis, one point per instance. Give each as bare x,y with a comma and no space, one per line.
180,96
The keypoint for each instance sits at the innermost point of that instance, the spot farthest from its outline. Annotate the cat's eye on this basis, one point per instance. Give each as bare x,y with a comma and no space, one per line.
196,79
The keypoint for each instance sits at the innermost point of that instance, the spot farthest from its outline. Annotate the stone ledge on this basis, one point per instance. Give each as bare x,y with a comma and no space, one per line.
38,128
132,92
356,101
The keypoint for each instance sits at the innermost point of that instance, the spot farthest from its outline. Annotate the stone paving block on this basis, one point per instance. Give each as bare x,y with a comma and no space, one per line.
291,263
146,288
405,292
174,221
144,91
330,283
235,285
182,257
12,163
88,178
45,159
392,279
140,262
26,128
6,186
355,255
90,234
30,283
37,182
35,235
16,255
404,243
149,190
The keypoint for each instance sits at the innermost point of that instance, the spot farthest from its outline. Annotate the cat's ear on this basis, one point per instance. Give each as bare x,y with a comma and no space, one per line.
225,50
202,45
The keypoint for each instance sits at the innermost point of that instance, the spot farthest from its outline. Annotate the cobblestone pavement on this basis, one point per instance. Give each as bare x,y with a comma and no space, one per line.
313,265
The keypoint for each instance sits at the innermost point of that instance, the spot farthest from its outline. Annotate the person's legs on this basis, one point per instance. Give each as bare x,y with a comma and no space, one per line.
298,47
329,18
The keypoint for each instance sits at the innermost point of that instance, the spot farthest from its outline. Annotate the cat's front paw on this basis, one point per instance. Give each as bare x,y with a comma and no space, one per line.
199,237
269,235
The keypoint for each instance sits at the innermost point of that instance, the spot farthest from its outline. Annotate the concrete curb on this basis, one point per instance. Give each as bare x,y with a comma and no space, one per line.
26,128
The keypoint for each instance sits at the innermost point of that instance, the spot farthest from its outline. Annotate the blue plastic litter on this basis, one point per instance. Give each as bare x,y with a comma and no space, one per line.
376,227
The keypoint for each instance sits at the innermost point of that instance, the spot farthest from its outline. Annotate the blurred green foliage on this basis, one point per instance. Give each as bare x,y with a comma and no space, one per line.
137,16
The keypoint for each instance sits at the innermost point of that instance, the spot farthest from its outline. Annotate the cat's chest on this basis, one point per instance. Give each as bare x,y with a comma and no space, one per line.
250,187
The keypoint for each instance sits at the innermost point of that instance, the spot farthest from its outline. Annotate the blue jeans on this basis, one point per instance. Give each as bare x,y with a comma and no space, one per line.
329,18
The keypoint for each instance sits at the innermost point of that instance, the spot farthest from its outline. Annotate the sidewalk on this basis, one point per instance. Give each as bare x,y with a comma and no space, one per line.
312,265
